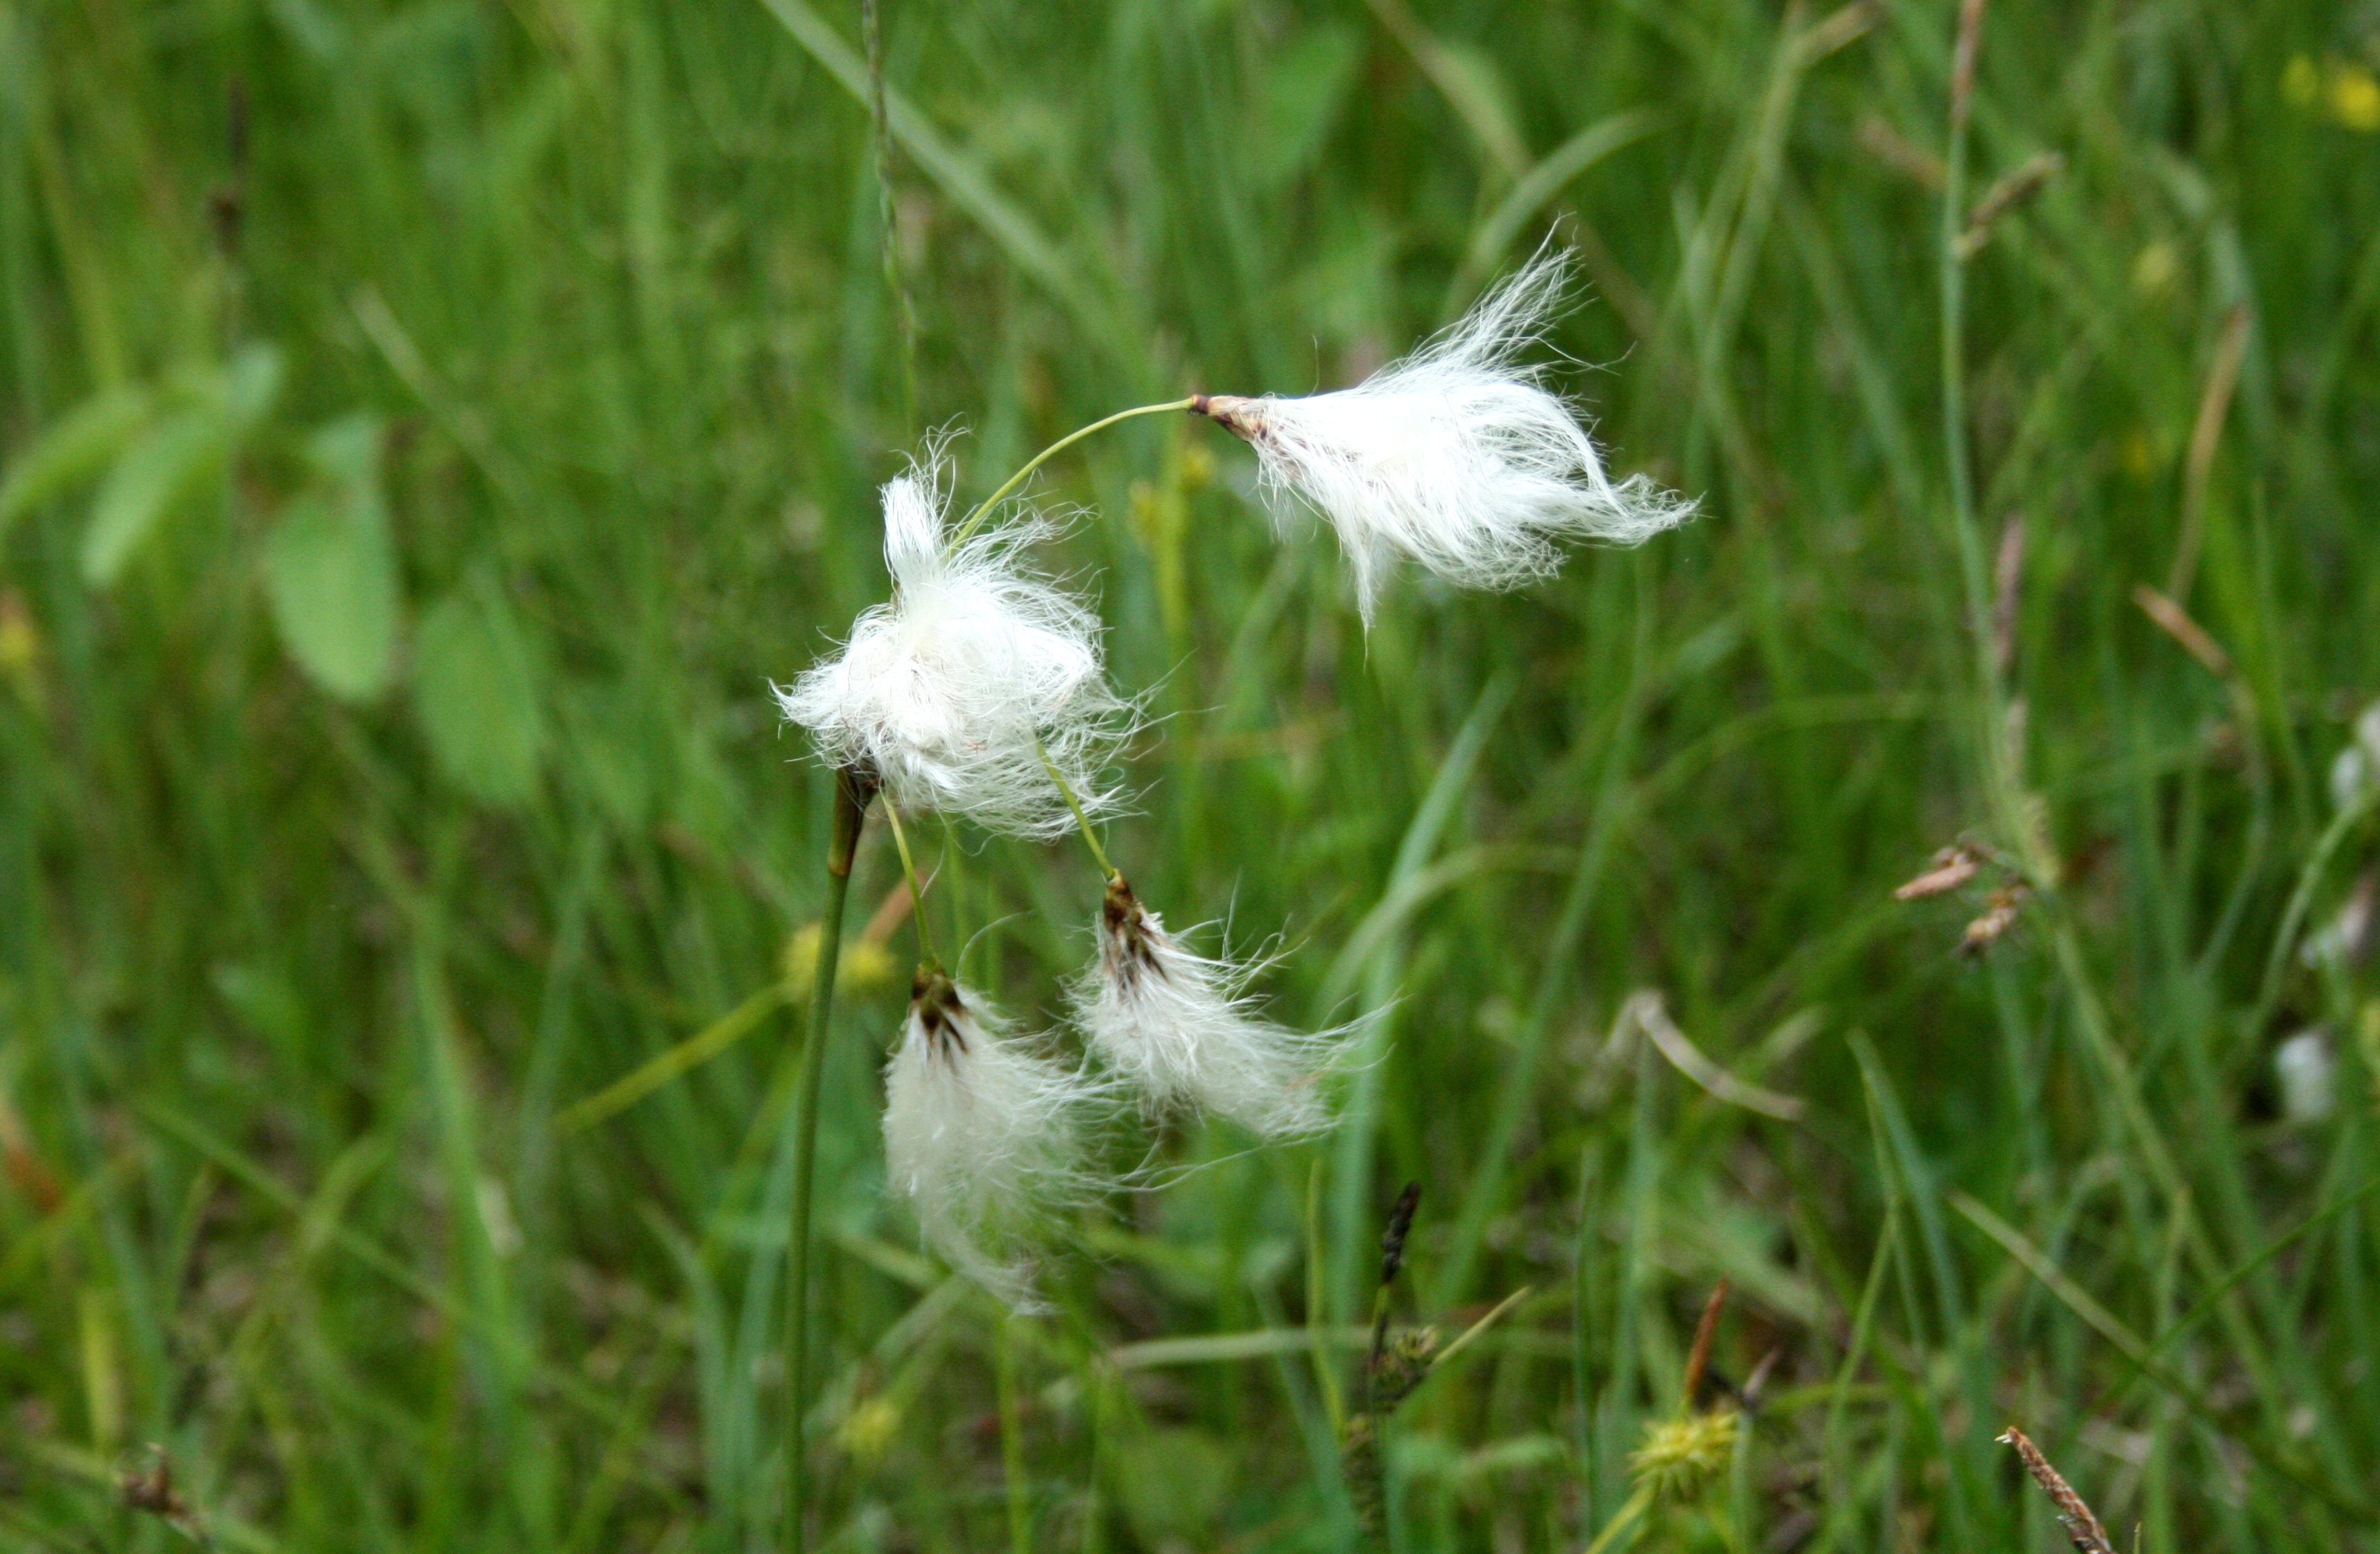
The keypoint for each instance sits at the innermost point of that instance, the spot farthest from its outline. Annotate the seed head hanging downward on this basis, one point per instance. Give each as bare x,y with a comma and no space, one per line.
952,691
980,1134
1178,1025
1457,456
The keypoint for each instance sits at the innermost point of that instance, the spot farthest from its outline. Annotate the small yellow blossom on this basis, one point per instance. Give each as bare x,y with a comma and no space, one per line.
1678,1454
2355,97
2343,90
867,1430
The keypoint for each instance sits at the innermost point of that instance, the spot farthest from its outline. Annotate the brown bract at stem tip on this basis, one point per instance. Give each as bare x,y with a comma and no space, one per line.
1128,953
934,999
854,789
1120,905
1234,413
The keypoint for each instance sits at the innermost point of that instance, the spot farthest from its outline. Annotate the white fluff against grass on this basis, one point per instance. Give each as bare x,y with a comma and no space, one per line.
2308,1070
1458,455
952,690
980,1134
1181,1028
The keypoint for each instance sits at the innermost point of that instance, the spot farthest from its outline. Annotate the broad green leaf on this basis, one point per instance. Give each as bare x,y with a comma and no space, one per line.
475,689
177,457
330,571
71,448
172,459
331,568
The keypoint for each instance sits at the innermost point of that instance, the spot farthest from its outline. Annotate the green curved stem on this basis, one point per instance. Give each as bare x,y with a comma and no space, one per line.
852,794
1081,820
1638,1504
983,510
917,889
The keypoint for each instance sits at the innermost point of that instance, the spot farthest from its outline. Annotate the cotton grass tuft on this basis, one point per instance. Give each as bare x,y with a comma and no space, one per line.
1180,1027
1457,456
981,1136
954,691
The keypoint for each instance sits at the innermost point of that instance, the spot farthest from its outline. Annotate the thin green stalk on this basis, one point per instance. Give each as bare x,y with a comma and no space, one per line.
1623,1521
1831,1452
974,520
917,889
1590,1207
1081,820
889,235
1012,1442
2002,783
853,790
1954,381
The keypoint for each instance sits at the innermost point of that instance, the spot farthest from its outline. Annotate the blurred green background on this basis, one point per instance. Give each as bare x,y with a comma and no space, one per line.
427,428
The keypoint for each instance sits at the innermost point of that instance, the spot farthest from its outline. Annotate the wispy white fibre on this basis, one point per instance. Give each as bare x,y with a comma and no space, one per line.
980,1134
1457,456
952,691
1181,1028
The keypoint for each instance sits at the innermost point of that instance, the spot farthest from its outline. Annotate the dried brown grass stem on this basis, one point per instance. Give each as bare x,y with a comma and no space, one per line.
2082,1526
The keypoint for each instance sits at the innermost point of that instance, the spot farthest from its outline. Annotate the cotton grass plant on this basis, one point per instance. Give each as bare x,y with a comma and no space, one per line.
977,692
294,976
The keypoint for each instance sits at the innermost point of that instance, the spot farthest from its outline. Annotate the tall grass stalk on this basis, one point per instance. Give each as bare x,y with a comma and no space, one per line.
853,791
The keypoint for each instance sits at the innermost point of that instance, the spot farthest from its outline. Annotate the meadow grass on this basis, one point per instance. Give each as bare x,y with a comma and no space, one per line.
471,408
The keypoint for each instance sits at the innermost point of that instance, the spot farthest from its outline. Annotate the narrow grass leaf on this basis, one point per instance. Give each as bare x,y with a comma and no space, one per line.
157,471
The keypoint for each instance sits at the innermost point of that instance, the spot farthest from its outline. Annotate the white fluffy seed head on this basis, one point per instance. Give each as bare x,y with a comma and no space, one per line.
981,1136
1179,1027
954,690
1457,456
